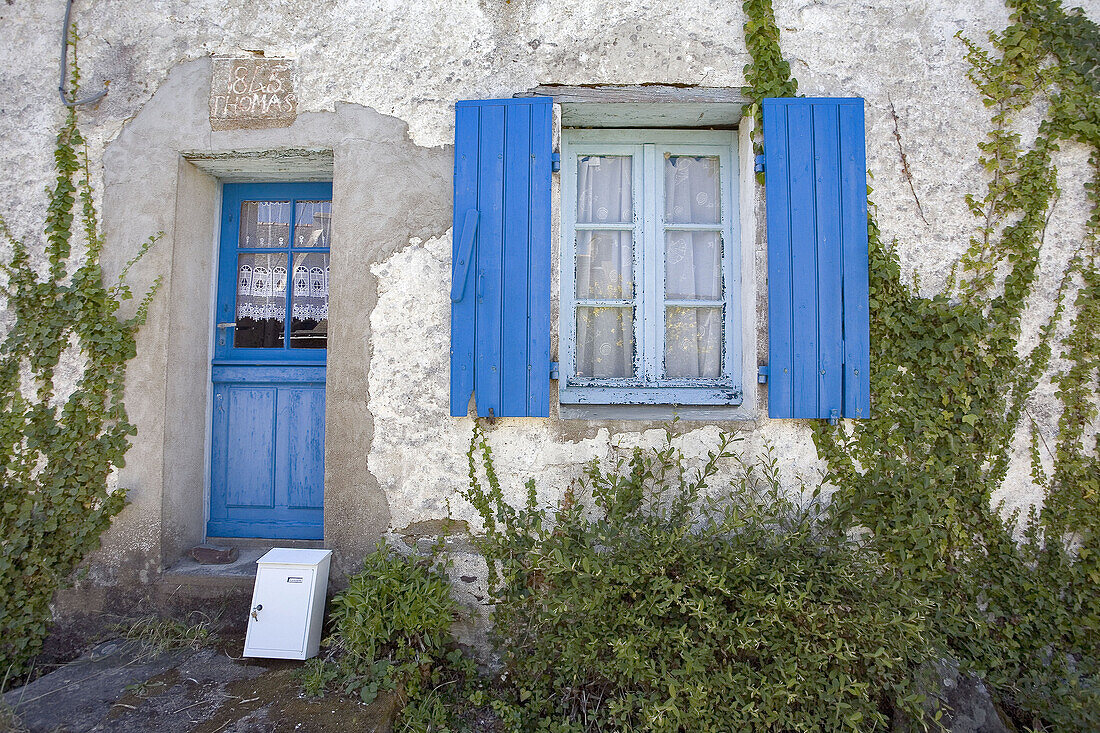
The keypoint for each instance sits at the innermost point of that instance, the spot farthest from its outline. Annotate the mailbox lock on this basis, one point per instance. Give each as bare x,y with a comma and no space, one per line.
259,607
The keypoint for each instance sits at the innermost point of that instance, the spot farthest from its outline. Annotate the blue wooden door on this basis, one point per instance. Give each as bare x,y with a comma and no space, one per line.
270,341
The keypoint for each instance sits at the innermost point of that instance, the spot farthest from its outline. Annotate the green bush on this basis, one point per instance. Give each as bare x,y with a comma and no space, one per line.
391,632
673,605
391,623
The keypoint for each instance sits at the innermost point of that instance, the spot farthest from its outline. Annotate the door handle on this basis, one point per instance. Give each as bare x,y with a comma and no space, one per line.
256,611
221,331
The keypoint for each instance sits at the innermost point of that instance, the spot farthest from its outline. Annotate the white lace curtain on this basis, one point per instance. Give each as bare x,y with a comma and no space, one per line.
605,335
262,281
693,268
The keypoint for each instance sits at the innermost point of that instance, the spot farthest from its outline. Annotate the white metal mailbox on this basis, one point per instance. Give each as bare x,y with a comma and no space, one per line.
288,604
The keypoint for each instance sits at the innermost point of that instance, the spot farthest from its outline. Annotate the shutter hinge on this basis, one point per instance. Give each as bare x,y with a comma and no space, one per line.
554,370
759,167
834,416
762,374
555,161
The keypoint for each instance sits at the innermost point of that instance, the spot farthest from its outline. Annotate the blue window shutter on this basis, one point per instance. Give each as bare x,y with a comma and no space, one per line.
500,276
816,196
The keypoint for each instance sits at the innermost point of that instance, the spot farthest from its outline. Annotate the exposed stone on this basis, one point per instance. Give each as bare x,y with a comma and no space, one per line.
971,709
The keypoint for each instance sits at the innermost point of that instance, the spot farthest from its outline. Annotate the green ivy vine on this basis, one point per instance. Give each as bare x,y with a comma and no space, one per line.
56,450
951,390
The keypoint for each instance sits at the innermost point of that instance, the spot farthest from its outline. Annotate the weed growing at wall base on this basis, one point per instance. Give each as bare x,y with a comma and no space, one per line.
56,451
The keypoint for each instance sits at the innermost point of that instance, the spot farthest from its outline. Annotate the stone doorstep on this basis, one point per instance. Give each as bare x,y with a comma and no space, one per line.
241,573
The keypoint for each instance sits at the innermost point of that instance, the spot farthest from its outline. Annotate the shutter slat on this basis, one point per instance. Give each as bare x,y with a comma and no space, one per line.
538,294
803,262
857,339
830,302
777,201
816,198
490,253
462,311
500,325
517,181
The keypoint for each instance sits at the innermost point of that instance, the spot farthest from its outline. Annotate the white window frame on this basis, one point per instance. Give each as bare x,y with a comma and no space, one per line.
649,148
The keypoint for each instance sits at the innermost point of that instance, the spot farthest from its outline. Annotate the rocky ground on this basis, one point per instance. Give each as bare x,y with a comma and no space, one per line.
125,685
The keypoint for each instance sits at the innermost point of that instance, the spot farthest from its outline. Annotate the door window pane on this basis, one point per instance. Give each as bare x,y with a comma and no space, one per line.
312,223
264,224
605,266
309,301
693,265
261,300
605,342
692,193
693,342
604,191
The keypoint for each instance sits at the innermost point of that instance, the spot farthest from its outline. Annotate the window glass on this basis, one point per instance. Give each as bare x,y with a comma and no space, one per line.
309,301
693,265
261,300
604,190
647,299
312,223
605,265
276,271
693,342
605,342
692,190
264,224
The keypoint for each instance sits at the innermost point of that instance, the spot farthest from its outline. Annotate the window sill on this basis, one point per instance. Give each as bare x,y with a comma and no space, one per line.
663,396
658,413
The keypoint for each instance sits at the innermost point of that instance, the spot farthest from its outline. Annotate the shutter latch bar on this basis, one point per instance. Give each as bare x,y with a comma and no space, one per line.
460,271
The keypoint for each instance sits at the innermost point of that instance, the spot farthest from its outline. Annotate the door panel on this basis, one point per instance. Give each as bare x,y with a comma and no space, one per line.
268,371
250,441
302,428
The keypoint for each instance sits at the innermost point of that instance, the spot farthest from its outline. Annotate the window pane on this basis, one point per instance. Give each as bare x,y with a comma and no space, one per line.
264,224
605,266
692,190
605,342
693,342
604,191
261,300
309,301
312,220
693,265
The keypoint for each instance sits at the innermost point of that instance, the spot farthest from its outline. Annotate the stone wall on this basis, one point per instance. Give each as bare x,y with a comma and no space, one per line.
375,85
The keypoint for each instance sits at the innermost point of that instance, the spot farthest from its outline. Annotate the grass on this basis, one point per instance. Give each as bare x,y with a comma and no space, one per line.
160,635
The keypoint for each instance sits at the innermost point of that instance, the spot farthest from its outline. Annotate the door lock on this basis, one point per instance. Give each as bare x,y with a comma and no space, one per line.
255,611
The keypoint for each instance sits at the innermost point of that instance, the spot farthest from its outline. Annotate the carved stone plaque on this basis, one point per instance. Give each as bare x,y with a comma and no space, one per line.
252,93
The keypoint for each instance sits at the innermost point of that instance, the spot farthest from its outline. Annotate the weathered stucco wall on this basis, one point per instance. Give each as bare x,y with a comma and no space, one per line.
376,85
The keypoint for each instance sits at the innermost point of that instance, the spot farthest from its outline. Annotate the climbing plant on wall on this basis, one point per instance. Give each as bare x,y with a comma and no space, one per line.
952,388
58,447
